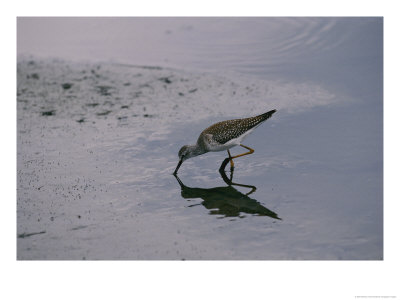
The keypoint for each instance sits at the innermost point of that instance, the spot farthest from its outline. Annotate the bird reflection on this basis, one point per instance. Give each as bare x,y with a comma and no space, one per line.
226,200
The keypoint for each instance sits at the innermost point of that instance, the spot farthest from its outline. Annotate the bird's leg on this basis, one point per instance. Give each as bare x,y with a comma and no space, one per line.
243,154
231,160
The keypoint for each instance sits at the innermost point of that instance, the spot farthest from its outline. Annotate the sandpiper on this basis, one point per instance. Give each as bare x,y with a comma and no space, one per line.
223,136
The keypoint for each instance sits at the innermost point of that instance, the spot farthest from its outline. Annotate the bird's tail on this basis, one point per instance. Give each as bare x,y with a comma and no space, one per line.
257,120
267,115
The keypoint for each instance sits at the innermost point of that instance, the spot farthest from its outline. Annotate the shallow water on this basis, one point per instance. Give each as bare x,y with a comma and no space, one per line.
98,142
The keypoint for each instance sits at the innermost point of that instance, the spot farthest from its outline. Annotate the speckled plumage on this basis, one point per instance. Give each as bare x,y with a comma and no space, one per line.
223,136
225,131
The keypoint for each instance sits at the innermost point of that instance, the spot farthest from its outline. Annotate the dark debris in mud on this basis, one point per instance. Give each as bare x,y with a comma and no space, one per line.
165,80
66,86
25,235
104,113
92,104
48,113
33,76
104,90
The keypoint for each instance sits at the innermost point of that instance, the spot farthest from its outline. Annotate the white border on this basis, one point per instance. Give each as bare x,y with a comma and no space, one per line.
199,280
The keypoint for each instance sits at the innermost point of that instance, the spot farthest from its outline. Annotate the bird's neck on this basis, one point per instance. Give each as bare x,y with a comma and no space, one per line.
196,150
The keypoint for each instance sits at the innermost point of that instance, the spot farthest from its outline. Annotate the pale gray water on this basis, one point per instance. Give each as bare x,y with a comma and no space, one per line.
99,129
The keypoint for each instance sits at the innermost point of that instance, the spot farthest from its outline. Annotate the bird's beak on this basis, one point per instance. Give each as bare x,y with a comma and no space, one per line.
178,166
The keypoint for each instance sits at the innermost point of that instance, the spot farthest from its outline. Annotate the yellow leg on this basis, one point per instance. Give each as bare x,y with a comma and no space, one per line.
243,154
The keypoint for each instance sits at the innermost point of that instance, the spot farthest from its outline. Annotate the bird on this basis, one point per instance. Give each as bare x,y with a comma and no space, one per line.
223,136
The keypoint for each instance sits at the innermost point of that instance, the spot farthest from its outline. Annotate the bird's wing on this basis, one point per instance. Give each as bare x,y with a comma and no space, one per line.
223,132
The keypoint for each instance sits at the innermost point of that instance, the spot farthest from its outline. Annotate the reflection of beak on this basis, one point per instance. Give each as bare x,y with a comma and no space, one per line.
178,166
179,181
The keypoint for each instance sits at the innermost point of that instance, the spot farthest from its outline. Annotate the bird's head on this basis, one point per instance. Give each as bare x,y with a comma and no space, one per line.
184,153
